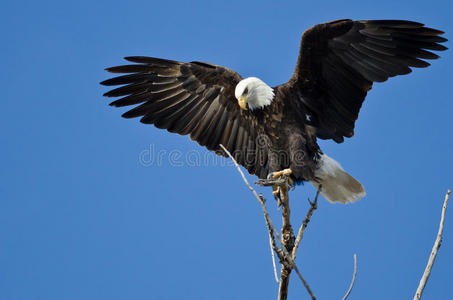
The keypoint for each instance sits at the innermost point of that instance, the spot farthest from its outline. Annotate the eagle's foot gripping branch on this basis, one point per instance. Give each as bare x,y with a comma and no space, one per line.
277,179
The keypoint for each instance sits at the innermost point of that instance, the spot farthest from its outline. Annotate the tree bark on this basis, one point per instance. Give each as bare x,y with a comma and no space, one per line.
288,241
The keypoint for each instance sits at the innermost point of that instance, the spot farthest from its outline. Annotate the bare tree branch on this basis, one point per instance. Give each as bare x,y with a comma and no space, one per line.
305,283
434,251
287,246
283,254
313,207
273,259
353,278
290,244
262,202
287,239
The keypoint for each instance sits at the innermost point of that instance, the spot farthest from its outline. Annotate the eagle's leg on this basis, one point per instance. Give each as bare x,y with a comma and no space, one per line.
276,179
276,175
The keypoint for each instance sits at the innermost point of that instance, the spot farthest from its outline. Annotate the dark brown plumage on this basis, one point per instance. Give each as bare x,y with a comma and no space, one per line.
339,61
337,65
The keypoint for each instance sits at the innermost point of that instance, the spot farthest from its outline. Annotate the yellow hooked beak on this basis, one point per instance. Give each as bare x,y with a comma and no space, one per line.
243,103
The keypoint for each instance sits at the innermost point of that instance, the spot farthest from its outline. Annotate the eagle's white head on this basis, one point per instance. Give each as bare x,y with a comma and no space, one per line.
253,93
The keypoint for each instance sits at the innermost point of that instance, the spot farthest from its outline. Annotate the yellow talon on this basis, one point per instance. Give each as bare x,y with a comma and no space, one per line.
282,172
290,181
276,193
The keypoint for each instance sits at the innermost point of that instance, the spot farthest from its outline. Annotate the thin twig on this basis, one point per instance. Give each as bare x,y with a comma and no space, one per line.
313,207
283,255
293,265
353,278
434,251
273,259
305,283
262,202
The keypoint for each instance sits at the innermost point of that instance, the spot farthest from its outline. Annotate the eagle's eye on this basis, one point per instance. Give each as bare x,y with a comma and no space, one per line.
246,90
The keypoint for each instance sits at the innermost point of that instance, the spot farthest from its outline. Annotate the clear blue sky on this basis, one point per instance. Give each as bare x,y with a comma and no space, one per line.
82,218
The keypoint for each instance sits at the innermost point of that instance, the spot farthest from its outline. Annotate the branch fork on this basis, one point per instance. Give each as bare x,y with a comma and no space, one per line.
289,244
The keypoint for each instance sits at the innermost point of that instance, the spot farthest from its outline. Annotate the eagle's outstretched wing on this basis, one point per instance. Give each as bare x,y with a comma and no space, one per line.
339,61
190,98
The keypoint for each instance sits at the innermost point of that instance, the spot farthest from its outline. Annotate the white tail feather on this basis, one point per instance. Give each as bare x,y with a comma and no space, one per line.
337,185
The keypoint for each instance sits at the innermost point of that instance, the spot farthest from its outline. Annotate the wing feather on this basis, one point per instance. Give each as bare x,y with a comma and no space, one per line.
339,61
195,99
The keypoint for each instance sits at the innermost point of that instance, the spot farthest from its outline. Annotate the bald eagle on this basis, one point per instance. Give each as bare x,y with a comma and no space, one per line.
274,130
